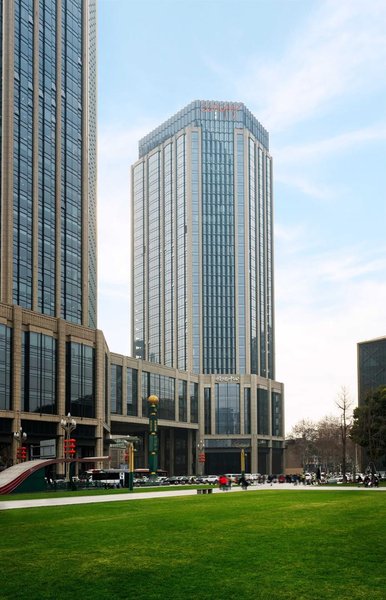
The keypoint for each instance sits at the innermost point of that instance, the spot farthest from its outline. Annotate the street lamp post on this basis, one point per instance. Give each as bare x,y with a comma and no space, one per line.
130,464
201,456
68,424
153,435
20,436
242,462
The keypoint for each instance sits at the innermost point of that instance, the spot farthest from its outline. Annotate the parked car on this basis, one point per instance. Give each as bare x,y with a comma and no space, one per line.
212,479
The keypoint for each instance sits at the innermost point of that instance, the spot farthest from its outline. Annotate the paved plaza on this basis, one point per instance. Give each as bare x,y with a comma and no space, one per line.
93,499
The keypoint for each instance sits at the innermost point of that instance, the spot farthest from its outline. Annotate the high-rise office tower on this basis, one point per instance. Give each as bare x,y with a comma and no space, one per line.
203,244
48,157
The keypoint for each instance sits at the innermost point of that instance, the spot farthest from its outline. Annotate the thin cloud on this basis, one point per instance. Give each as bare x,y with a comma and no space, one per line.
327,147
326,310
305,185
341,49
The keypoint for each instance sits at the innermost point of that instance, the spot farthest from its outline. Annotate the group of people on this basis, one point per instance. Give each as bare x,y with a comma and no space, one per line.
225,483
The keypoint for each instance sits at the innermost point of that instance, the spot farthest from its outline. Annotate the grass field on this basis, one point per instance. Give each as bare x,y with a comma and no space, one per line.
255,545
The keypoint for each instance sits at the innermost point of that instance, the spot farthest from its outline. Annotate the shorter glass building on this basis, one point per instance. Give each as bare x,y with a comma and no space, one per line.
371,375
50,367
371,366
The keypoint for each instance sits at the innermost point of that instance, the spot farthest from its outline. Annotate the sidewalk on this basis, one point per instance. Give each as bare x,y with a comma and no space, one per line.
69,500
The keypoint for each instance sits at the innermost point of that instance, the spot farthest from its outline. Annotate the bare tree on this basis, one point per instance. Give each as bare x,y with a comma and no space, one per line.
344,403
369,426
305,433
328,443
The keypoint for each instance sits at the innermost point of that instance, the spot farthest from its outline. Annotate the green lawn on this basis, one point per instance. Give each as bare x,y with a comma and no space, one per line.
269,545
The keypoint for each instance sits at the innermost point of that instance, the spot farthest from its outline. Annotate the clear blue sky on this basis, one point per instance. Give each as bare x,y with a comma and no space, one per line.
313,73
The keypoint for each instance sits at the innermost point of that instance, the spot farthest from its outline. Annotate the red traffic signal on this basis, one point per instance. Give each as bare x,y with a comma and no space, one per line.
70,447
21,453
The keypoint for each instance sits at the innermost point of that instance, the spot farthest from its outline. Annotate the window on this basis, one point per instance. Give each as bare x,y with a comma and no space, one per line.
116,389
132,392
5,367
227,408
80,386
38,373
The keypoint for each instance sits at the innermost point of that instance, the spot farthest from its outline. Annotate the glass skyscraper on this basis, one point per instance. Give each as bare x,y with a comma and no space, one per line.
48,157
203,293
202,237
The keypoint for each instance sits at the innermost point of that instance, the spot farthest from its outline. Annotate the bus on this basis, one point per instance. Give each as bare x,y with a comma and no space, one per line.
115,478
141,473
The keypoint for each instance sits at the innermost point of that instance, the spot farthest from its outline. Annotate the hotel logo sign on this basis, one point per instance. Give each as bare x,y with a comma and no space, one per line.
230,108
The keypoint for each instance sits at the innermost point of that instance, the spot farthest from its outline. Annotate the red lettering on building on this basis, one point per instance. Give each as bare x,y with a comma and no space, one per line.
214,107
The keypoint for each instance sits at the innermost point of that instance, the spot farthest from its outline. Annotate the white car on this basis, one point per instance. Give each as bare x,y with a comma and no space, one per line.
212,479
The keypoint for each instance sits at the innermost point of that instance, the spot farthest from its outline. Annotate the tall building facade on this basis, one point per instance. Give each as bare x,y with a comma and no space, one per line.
48,157
203,266
202,243
202,292
48,237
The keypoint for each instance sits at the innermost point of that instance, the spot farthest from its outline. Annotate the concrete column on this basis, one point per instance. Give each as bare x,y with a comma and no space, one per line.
254,461
171,452
190,452
17,358
100,390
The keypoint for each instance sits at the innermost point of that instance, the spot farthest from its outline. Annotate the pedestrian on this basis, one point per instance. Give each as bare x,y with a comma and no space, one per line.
243,482
223,482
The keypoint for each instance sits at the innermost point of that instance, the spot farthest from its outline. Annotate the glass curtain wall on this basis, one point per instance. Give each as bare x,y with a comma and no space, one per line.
218,247
169,223
22,154
227,397
194,402
116,389
262,412
154,260
80,388
183,400
181,253
38,383
47,158
164,388
139,261
132,392
5,367
71,159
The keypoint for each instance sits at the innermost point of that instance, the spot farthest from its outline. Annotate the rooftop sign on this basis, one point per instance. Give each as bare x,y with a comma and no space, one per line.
221,107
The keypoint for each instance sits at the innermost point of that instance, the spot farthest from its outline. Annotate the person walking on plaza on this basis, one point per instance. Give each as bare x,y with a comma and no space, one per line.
223,482
243,482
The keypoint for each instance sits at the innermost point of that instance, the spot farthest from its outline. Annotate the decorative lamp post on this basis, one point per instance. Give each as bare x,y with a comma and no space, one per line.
69,450
130,463
242,462
21,452
153,435
201,456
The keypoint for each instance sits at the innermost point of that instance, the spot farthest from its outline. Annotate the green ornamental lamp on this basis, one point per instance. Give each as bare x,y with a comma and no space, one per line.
153,401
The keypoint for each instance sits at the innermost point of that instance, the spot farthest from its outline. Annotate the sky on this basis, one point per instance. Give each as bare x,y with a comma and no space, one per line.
313,73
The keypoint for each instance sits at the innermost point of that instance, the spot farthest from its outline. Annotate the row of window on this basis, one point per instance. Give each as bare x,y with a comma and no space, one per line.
39,389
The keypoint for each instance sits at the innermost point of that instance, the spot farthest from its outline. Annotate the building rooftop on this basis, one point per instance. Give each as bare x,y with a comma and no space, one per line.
208,114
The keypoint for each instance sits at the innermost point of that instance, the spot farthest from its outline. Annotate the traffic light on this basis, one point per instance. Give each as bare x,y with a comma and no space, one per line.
70,447
21,453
